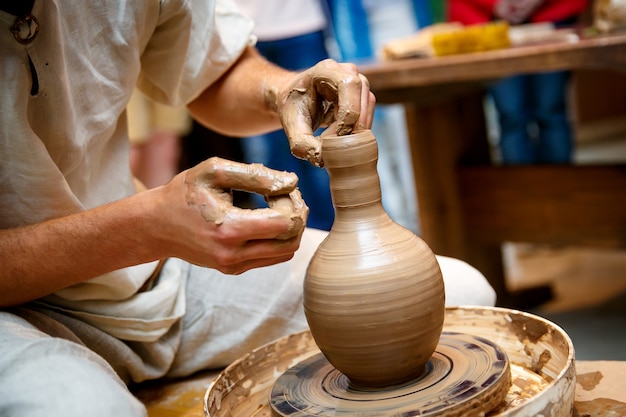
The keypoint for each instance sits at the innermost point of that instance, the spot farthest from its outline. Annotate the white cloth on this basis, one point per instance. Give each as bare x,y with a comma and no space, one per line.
280,19
65,147
226,316
45,376
45,353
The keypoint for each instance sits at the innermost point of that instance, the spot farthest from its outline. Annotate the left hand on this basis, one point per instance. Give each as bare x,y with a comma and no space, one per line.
197,221
328,93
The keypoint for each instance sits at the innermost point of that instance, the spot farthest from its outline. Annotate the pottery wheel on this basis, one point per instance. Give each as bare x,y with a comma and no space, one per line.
467,375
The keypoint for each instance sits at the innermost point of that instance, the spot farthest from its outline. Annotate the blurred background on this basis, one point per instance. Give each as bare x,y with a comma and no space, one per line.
588,283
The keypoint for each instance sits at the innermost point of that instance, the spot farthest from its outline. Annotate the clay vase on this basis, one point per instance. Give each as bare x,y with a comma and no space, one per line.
373,293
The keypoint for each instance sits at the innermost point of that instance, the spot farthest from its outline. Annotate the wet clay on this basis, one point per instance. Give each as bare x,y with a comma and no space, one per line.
243,389
589,381
528,329
601,407
210,185
465,376
328,93
373,292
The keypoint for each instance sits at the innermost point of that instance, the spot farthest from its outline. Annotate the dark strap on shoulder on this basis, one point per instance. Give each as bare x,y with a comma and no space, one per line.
17,7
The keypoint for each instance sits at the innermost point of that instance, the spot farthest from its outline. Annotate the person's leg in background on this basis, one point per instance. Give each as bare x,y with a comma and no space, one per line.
514,115
387,21
555,145
155,132
272,149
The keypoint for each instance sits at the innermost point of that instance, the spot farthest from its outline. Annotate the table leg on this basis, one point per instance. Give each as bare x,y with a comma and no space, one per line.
444,136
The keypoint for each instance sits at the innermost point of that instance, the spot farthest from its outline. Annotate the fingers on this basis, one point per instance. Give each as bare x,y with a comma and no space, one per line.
355,102
305,145
273,234
260,224
234,239
368,104
284,219
208,188
255,257
349,98
230,255
223,174
203,226
292,207
328,93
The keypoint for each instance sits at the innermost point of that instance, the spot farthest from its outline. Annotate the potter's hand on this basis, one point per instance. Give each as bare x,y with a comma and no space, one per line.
328,93
211,231
515,11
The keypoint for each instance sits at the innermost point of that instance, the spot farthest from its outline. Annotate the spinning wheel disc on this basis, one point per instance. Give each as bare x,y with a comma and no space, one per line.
467,375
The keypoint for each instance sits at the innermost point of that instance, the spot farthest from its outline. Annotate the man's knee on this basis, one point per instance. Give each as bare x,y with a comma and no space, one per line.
47,376
465,285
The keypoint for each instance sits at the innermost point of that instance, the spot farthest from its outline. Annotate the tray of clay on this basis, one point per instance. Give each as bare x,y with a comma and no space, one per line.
541,357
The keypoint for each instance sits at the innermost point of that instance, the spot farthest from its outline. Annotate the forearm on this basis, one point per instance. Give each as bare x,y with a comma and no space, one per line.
191,217
239,104
39,259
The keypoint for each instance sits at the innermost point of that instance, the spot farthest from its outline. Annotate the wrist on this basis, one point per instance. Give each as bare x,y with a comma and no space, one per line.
149,215
274,86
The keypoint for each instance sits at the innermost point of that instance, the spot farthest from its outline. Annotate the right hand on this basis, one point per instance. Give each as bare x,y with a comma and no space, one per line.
329,94
202,226
515,11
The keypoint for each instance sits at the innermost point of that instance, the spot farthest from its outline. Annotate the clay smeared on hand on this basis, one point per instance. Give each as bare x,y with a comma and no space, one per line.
292,206
210,185
327,94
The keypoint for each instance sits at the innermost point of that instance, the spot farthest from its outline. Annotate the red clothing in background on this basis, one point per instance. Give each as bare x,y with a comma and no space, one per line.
470,12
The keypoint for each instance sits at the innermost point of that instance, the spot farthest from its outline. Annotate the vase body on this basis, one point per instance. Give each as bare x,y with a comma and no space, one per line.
373,293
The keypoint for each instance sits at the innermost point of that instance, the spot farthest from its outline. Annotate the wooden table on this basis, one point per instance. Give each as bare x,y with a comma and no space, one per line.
600,392
467,206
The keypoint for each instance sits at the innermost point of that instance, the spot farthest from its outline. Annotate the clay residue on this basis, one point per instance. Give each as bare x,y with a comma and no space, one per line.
525,385
243,387
589,380
291,206
327,94
600,407
550,408
210,185
527,329
229,175
543,359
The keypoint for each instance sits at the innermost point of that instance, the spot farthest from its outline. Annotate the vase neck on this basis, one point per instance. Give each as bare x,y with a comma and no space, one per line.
351,163
356,186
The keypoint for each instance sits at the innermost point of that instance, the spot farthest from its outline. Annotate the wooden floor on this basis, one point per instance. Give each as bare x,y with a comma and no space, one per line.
581,277
590,294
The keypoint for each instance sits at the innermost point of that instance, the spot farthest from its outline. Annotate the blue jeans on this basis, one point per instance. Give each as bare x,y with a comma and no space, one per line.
533,118
272,150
